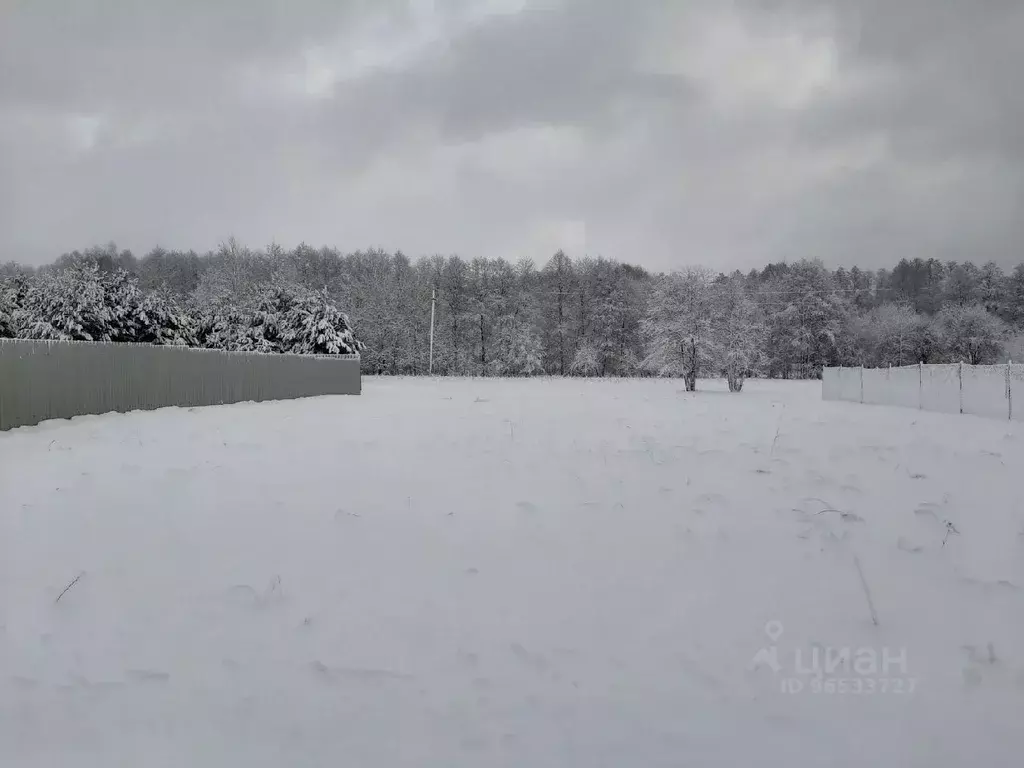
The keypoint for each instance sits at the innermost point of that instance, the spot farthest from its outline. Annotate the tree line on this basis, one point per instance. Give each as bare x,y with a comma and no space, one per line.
582,316
101,295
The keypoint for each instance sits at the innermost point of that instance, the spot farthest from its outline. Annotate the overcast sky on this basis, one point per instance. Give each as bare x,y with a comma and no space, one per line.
661,132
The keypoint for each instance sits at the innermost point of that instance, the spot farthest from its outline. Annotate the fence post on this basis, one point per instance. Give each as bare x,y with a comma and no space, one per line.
960,375
1009,393
920,385
862,384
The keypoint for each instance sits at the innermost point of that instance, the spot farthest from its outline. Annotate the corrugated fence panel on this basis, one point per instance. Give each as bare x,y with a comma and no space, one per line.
42,380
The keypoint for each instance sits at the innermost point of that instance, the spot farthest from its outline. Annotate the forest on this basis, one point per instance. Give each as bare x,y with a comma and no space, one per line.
566,316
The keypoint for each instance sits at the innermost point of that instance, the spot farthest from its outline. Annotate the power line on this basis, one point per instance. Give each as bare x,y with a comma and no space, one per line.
753,292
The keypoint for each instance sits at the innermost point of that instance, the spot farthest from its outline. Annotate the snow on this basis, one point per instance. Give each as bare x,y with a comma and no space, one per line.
512,573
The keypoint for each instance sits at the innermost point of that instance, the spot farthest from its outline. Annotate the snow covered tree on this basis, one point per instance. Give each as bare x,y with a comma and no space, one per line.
11,293
223,328
270,325
680,326
122,296
488,293
586,361
282,318
319,268
6,319
174,272
453,339
390,300
861,295
161,320
962,284
81,302
520,352
893,334
992,288
233,275
896,328
316,326
558,279
738,332
618,306
1013,290
496,319
69,304
136,316
972,334
918,284
806,319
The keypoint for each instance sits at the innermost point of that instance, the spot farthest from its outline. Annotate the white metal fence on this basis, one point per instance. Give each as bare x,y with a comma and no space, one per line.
995,391
42,380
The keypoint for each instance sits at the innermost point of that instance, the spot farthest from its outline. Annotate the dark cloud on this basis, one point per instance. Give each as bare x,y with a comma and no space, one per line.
569,66
729,134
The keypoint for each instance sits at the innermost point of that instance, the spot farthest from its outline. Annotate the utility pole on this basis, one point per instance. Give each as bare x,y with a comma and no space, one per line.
433,301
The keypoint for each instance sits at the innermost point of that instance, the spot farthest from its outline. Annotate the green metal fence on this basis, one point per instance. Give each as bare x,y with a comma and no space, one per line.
42,380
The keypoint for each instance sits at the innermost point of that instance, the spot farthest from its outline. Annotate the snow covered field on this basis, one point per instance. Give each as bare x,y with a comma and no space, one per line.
514,573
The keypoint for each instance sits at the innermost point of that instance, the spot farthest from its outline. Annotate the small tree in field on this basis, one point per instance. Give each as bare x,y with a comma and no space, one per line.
680,326
739,332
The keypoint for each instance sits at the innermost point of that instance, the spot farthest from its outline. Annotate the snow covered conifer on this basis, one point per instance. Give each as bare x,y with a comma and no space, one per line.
68,305
222,329
10,307
163,321
270,327
124,302
320,328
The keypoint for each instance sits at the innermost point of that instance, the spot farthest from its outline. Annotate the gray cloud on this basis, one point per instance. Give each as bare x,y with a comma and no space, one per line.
857,131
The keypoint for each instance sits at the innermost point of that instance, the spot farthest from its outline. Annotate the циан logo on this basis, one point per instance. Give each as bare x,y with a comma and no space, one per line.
835,669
